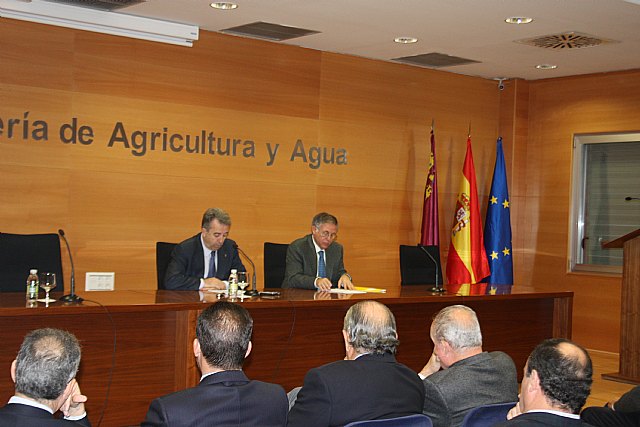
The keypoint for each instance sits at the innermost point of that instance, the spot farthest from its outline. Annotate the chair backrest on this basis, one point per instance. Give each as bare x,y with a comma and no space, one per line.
487,415
21,252
416,420
416,268
163,256
275,262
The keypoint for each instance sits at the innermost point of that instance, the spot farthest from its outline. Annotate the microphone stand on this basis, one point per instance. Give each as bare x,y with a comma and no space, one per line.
71,297
253,290
438,288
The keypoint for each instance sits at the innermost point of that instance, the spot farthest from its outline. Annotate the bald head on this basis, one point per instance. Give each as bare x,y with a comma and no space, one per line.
370,327
564,371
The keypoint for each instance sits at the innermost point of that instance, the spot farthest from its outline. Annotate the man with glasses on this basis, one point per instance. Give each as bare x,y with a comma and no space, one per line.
315,261
203,261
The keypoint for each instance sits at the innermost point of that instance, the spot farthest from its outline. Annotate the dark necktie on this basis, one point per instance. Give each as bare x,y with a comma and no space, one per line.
322,270
212,265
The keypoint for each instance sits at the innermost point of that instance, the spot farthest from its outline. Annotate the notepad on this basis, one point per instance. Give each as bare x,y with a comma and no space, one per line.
370,290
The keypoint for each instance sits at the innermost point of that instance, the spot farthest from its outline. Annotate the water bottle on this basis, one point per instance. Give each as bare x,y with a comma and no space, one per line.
233,283
32,285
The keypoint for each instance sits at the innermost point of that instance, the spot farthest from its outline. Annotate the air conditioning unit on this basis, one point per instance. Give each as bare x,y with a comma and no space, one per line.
117,24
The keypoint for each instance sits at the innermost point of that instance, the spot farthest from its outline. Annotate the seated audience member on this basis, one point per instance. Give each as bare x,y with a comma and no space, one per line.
624,412
44,374
556,383
459,376
315,261
368,384
225,396
206,259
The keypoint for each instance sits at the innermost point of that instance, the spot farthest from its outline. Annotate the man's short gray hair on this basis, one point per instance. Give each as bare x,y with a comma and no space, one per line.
48,359
215,213
458,325
371,328
323,218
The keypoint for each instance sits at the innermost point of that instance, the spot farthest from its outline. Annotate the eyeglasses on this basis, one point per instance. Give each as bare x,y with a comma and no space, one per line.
326,235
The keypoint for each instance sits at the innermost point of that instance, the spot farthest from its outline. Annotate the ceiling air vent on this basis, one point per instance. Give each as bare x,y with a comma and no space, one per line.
100,4
434,60
267,31
568,40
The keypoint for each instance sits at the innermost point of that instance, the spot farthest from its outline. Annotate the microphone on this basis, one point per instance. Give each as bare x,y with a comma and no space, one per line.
438,288
631,198
253,290
72,297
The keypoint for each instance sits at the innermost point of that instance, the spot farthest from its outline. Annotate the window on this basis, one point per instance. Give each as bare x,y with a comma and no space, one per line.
605,198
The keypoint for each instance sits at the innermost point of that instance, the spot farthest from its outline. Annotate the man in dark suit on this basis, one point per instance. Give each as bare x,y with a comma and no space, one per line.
206,259
225,396
368,384
315,261
459,376
556,383
44,374
624,412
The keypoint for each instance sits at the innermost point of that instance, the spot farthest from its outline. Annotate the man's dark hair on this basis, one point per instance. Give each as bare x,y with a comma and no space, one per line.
323,218
371,328
47,360
215,213
224,331
565,377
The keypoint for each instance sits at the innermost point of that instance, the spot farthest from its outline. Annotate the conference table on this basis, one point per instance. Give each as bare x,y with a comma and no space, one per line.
137,345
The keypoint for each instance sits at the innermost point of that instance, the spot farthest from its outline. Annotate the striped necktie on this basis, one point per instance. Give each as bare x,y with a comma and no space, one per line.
322,270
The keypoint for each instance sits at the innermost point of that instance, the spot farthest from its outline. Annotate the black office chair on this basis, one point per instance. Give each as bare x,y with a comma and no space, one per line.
416,268
19,253
163,256
275,262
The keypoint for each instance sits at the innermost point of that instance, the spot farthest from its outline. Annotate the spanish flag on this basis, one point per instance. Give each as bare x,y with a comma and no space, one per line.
467,260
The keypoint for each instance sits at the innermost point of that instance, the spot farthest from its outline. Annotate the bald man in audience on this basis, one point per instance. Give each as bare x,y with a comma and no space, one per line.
556,383
369,384
459,375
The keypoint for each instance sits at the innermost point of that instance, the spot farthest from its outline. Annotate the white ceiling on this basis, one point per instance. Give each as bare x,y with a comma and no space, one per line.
472,29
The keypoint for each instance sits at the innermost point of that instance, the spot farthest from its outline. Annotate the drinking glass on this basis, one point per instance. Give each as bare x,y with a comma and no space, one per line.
47,282
243,280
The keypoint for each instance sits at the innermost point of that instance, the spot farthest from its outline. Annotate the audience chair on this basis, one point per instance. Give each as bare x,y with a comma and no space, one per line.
275,262
19,253
416,268
416,420
163,257
487,415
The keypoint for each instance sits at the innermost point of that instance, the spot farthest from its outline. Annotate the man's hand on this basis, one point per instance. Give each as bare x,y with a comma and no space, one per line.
515,411
74,405
432,366
345,282
323,284
213,283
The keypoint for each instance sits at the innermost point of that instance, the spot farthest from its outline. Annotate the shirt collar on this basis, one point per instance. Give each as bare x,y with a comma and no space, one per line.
30,402
558,413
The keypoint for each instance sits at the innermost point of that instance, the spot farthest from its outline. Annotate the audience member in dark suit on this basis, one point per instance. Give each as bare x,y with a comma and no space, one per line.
315,261
624,412
459,376
556,383
44,374
368,384
225,396
206,259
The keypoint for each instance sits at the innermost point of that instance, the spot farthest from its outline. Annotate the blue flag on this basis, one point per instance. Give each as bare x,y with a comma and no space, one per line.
497,228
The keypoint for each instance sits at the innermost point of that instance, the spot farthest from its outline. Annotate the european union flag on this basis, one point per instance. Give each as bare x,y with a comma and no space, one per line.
497,228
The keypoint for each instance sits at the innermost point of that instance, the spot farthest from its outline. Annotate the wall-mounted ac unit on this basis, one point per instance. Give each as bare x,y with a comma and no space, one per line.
99,21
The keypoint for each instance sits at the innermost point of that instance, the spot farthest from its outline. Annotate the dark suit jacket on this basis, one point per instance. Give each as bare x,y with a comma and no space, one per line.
18,415
226,398
302,264
535,419
368,388
483,379
186,267
626,414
